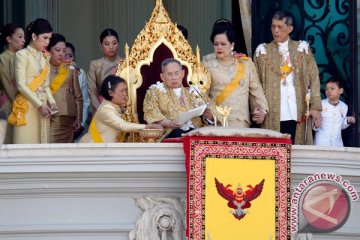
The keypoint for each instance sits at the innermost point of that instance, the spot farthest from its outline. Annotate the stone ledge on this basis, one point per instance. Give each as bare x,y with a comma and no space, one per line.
135,158
77,183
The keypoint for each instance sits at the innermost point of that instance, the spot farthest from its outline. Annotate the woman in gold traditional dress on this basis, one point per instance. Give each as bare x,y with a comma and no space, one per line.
13,38
101,68
108,124
65,88
234,80
32,106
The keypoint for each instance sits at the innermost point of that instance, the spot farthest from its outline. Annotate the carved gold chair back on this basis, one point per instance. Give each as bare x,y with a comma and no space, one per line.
159,39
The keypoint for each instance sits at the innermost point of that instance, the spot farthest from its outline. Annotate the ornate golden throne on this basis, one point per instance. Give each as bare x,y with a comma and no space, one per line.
159,39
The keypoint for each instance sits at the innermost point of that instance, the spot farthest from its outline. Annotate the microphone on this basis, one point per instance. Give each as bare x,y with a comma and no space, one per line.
197,91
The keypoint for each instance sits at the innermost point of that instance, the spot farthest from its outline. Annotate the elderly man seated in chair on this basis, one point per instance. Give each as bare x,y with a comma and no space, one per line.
164,100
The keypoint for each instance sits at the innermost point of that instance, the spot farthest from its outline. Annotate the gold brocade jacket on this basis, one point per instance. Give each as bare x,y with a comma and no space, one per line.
98,70
7,88
7,74
68,97
306,75
162,103
28,64
245,97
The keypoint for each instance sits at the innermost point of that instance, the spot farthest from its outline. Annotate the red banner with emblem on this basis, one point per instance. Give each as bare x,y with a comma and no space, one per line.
238,188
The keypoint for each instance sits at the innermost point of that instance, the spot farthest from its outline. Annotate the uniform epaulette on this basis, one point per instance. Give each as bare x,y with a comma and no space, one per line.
260,50
303,46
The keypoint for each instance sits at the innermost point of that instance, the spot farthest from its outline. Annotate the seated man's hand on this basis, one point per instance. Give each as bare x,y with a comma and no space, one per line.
208,115
154,126
167,123
258,115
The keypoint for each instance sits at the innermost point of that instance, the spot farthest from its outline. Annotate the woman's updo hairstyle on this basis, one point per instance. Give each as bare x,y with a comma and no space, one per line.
223,26
7,31
110,83
71,46
55,38
108,32
39,26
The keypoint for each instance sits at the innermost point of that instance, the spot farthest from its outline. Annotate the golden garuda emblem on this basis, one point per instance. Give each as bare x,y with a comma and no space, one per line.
239,200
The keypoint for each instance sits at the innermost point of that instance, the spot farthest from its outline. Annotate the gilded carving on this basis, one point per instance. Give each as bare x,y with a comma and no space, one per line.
161,30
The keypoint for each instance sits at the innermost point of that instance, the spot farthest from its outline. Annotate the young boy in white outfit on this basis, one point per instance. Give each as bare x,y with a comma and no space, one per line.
333,116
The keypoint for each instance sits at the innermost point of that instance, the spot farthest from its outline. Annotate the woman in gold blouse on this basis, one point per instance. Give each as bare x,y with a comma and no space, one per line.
108,124
32,105
12,37
101,68
234,80
66,91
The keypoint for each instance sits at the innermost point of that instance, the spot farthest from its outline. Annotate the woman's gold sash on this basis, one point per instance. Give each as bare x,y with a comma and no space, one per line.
21,105
96,136
94,133
59,79
231,86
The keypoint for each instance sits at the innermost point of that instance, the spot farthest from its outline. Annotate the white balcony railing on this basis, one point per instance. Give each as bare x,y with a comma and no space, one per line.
102,191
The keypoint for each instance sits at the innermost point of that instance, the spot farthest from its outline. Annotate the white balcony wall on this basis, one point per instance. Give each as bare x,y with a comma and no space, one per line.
86,191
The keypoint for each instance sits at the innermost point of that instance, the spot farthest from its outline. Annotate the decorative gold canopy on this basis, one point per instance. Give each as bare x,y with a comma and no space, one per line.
161,30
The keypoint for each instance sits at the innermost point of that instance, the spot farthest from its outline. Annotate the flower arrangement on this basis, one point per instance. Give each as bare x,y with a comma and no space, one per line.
303,46
260,50
72,65
46,55
285,70
160,86
240,56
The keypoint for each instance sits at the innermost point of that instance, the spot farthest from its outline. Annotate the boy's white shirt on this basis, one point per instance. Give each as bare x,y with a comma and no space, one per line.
334,120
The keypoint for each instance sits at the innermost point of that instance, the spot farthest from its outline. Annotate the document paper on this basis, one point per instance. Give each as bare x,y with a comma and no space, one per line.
185,116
